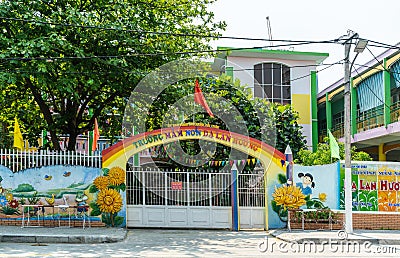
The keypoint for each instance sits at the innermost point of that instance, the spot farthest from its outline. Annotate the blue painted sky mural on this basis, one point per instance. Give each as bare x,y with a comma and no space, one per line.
48,179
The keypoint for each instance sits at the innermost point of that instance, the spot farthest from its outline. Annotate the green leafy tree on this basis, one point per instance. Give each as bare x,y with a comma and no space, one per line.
70,56
323,155
13,104
279,125
288,131
217,88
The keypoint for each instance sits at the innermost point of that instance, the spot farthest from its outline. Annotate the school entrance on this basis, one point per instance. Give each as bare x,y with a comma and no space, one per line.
193,199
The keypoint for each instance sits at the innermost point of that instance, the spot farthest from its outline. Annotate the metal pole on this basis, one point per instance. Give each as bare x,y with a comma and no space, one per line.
347,139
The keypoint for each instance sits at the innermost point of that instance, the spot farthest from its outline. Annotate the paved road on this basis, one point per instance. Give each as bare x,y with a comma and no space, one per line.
185,243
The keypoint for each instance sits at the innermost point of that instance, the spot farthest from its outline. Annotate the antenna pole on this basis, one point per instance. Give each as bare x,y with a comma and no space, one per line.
269,31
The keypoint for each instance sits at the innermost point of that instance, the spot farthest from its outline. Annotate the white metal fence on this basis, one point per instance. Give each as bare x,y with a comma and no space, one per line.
17,160
147,186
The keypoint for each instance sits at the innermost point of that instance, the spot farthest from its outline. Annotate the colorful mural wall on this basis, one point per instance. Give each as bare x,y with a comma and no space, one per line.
323,186
375,186
110,198
47,185
313,187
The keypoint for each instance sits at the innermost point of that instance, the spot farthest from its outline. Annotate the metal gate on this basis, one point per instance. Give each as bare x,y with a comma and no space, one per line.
190,199
251,201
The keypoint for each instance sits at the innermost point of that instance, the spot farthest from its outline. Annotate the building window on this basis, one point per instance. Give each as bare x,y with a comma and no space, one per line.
338,124
272,81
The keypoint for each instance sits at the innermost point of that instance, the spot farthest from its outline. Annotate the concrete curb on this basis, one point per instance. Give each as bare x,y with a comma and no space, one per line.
87,238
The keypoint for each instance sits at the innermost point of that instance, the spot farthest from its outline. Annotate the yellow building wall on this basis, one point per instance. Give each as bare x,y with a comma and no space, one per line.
302,104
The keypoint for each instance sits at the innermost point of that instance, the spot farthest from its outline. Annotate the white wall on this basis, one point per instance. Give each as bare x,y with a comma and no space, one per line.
300,77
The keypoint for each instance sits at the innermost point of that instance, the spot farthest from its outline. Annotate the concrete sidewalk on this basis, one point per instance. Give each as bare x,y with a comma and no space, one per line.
74,235
91,235
382,237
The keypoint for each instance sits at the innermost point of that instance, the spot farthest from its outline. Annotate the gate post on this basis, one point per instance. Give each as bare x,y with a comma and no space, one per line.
234,198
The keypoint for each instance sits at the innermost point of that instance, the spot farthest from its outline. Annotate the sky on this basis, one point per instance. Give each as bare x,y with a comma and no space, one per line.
311,20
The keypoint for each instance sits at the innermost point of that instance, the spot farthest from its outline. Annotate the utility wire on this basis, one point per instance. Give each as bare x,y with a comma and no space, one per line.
381,63
368,87
375,68
166,33
380,44
373,93
111,72
329,66
190,52
291,80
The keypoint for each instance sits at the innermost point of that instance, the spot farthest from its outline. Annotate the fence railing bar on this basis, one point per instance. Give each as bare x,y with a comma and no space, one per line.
17,160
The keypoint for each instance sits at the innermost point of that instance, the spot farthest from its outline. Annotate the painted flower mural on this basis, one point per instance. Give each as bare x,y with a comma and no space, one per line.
14,204
9,196
108,201
3,201
101,182
322,197
385,198
116,176
289,197
9,205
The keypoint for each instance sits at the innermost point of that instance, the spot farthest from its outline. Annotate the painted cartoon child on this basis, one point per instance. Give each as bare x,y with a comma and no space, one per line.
80,199
306,184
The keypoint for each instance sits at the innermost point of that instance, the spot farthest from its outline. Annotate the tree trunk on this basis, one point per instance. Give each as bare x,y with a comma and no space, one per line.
45,111
54,140
72,142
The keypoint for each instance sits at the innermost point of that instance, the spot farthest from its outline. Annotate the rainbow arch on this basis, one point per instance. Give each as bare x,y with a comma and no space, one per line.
118,154
273,161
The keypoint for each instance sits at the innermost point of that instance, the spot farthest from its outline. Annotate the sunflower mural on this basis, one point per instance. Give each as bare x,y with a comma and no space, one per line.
289,196
292,197
286,197
108,201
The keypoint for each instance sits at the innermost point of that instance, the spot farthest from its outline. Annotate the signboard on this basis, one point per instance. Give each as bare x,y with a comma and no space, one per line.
176,185
375,186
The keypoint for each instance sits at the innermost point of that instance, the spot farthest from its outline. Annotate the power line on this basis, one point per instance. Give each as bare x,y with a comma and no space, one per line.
373,93
131,72
380,44
190,52
368,87
381,63
329,66
167,33
376,68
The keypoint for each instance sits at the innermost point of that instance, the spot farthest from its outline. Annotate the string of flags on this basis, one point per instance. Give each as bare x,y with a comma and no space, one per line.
221,163
161,151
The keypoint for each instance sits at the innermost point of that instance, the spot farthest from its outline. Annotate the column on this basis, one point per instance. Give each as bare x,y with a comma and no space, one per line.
381,154
387,96
353,112
314,116
328,112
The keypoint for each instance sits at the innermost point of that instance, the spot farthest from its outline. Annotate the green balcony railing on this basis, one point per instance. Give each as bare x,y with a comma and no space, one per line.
395,112
338,130
369,119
